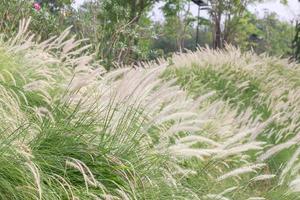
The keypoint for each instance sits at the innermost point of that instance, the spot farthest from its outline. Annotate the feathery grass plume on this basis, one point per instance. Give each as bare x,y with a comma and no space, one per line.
276,149
240,171
215,197
263,177
239,149
289,165
265,87
70,130
89,125
295,185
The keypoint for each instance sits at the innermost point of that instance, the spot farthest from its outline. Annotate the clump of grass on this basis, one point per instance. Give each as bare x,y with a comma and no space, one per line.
74,132
71,130
266,85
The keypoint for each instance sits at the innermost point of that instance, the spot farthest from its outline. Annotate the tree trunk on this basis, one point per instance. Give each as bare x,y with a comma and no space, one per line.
217,44
296,42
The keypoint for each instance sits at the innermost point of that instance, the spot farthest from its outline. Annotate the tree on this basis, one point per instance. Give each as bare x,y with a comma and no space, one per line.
264,35
246,34
119,29
296,41
276,35
229,11
178,21
165,43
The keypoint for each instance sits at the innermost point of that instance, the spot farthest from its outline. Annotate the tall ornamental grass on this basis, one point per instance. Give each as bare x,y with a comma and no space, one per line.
71,130
266,87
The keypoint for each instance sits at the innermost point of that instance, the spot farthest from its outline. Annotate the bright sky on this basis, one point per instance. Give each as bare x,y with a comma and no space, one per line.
287,13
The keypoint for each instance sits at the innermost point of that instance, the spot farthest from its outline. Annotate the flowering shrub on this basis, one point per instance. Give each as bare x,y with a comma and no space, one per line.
37,6
44,22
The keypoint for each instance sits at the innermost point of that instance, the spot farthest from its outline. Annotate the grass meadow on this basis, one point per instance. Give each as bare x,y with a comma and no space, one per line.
215,125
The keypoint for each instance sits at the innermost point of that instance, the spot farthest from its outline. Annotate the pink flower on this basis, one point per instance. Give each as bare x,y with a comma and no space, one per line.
37,6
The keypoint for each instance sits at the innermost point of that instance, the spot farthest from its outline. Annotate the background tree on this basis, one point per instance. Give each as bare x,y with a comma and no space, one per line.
229,11
119,28
277,36
178,21
296,41
122,31
264,35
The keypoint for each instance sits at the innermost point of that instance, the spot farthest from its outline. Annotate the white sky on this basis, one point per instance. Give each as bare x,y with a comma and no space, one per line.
286,13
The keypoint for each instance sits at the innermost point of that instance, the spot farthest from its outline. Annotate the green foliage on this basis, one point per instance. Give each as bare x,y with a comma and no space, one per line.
230,12
264,35
45,23
178,22
245,27
120,30
275,41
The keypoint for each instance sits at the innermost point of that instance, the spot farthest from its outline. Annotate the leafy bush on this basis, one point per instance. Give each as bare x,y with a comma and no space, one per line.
45,23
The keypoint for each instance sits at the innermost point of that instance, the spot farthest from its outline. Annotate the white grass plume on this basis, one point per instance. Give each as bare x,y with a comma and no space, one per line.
240,171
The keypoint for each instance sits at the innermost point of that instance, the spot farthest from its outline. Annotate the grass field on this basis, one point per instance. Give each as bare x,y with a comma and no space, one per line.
214,125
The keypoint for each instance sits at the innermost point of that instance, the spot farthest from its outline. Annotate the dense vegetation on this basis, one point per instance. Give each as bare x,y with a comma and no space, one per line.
89,120
123,31
204,125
